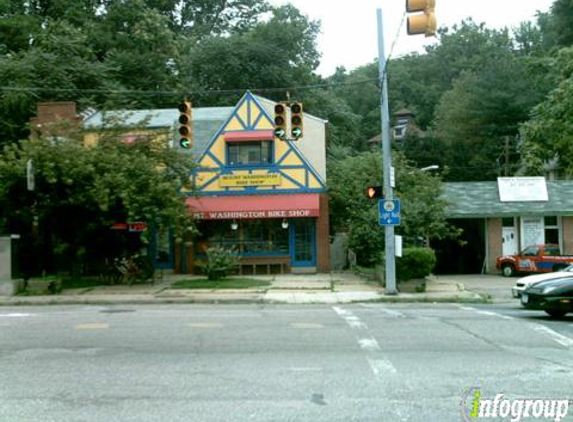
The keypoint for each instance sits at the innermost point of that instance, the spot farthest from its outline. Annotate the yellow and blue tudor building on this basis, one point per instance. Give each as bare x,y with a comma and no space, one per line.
252,191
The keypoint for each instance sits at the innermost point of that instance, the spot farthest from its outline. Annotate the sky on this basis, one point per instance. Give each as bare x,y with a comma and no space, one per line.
349,35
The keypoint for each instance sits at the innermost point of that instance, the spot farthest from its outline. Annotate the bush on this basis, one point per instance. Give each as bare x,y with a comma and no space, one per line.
415,263
220,262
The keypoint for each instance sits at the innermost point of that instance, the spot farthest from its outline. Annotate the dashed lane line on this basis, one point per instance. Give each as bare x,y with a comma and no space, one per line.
369,344
306,325
205,325
352,320
381,367
16,315
92,326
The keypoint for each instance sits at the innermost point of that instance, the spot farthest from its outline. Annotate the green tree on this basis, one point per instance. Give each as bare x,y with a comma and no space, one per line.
81,192
481,111
548,135
280,52
422,209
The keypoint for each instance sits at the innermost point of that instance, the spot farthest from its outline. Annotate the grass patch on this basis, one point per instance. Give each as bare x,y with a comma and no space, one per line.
227,283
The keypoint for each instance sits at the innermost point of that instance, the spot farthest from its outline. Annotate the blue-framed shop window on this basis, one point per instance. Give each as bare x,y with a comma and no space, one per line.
162,248
250,154
302,242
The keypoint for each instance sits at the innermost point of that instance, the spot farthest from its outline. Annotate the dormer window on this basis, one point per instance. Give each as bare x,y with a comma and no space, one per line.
249,148
399,132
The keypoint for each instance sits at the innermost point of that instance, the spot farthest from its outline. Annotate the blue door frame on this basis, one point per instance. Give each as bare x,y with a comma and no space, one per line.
302,242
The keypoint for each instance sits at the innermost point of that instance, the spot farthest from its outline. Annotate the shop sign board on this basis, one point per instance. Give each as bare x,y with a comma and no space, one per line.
243,215
522,189
242,180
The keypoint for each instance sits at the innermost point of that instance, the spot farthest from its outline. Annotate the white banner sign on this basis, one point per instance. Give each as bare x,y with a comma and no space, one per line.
522,189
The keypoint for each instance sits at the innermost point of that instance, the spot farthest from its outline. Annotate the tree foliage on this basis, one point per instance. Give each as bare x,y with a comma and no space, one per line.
549,133
422,209
81,192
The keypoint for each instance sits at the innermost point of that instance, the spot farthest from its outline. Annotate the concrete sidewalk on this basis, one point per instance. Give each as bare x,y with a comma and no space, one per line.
341,287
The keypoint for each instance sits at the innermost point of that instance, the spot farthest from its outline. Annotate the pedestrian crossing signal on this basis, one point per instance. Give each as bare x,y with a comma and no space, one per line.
373,192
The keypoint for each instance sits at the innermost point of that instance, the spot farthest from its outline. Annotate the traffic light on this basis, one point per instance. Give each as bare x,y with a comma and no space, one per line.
280,121
185,138
296,120
373,192
421,23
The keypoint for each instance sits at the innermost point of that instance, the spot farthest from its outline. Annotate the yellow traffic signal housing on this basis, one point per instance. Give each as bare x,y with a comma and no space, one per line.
185,130
421,23
280,120
296,120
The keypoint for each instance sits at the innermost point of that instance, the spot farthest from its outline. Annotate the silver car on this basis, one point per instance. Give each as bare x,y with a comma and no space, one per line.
525,282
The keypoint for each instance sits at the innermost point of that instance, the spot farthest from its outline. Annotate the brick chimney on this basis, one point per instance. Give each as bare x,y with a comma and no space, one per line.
55,118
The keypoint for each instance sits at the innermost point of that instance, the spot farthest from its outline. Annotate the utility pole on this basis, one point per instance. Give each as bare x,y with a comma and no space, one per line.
390,247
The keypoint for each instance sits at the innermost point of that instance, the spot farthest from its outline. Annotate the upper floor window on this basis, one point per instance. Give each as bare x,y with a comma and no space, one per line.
249,153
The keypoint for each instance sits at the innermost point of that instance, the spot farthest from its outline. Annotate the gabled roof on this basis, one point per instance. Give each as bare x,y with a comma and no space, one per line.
481,200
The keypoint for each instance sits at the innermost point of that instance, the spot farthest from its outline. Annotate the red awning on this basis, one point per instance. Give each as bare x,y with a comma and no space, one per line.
259,206
250,135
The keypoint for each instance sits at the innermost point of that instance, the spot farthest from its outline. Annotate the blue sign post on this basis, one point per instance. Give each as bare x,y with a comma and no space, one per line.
389,212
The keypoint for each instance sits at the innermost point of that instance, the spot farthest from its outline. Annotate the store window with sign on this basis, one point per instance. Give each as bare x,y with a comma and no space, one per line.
551,230
248,237
249,153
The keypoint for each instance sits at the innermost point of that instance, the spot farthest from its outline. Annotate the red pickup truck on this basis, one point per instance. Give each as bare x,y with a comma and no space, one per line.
534,259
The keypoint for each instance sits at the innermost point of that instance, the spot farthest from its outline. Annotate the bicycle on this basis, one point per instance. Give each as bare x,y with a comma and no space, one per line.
135,268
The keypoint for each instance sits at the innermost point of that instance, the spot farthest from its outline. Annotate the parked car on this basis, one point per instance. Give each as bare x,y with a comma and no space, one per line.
534,259
524,282
552,296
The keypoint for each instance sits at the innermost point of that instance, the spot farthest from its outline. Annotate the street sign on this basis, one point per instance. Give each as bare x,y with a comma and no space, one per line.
30,179
389,212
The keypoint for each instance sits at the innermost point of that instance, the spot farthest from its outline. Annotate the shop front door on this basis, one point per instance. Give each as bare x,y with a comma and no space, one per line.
302,242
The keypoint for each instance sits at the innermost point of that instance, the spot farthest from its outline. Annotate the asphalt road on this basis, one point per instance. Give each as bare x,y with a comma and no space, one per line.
359,362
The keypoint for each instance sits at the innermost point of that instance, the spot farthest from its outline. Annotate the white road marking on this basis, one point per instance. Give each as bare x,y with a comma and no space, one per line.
305,369
558,337
92,326
305,325
16,315
351,319
381,367
369,344
487,313
391,312
205,325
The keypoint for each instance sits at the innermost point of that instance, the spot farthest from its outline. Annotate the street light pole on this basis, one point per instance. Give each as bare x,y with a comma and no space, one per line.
390,247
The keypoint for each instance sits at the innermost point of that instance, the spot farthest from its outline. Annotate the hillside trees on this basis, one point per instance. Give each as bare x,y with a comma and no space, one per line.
549,134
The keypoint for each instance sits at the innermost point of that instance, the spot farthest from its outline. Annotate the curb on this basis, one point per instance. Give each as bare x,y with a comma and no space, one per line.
289,299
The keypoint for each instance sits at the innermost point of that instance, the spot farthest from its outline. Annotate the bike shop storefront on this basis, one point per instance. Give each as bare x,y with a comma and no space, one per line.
270,233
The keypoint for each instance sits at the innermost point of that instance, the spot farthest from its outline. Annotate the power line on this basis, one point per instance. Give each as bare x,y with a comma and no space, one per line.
182,93
204,93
